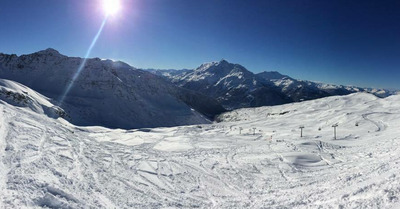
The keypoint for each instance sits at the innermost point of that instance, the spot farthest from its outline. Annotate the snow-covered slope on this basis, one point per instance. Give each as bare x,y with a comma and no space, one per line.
235,87
108,93
46,162
21,96
170,73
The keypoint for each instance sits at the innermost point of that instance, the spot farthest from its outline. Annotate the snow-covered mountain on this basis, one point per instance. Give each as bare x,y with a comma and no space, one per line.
253,158
231,84
169,73
300,90
108,93
272,75
235,87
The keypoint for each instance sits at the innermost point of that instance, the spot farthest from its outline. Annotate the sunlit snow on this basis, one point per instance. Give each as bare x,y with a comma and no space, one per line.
48,162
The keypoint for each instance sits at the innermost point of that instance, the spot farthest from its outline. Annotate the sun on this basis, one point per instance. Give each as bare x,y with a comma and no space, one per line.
111,7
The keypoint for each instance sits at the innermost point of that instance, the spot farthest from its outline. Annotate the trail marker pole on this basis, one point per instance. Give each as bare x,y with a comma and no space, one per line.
334,130
254,131
240,130
301,131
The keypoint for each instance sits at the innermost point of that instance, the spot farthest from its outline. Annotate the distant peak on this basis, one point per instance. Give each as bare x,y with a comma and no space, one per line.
271,75
270,72
49,51
223,61
215,63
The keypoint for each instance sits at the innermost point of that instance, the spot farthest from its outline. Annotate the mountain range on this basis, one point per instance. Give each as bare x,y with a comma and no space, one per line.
107,93
114,94
236,87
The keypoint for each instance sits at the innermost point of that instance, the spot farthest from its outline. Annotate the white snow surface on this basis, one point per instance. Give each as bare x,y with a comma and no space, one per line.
50,163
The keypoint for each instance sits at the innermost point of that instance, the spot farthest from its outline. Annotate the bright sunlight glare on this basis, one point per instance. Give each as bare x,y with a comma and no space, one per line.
111,7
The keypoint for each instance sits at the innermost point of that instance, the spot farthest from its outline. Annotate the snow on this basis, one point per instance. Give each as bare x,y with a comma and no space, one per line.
48,162
106,93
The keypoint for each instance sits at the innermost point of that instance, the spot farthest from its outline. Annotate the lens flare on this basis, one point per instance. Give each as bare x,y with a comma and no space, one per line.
83,63
111,7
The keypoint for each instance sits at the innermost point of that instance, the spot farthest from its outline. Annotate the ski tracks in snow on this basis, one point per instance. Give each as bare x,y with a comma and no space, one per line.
381,126
3,167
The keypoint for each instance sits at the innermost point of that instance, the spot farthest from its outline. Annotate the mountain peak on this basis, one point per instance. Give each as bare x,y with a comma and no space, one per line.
49,51
271,75
223,61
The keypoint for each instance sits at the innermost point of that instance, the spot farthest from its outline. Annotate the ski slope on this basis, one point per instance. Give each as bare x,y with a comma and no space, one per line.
50,163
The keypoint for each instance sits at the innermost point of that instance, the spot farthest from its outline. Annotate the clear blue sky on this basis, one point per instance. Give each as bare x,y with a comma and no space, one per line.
335,41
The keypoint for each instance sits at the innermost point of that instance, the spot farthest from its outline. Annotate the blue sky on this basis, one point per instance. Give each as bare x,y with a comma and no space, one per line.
342,41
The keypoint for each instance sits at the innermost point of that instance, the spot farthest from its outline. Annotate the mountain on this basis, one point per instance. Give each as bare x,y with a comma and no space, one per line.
300,90
230,84
236,87
108,93
271,75
168,72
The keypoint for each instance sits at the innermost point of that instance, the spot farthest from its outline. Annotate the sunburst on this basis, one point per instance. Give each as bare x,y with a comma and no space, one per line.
111,7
